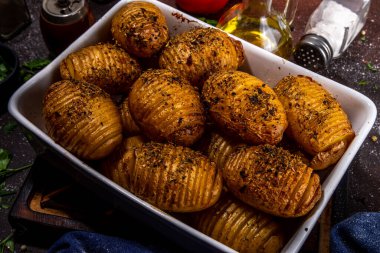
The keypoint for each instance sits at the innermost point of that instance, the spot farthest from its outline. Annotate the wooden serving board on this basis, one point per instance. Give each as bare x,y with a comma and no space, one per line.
49,201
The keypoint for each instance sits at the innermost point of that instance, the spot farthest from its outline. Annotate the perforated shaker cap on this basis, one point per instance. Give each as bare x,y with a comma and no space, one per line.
313,52
64,11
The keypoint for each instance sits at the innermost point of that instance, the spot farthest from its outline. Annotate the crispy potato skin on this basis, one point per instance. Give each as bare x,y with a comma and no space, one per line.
140,28
129,125
82,118
316,120
243,105
167,108
172,178
240,226
219,149
105,65
272,180
200,52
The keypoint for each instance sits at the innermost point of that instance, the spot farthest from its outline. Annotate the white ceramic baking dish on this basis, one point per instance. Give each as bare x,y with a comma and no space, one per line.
26,106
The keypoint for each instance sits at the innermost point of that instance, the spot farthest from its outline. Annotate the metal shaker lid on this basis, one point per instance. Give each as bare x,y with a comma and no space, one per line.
313,52
64,11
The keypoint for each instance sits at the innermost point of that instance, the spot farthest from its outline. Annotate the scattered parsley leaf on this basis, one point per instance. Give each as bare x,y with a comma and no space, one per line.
209,21
7,243
9,126
36,64
371,67
5,158
10,245
4,69
30,68
363,38
363,82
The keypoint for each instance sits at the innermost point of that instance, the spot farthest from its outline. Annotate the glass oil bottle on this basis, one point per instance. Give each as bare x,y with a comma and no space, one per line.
256,22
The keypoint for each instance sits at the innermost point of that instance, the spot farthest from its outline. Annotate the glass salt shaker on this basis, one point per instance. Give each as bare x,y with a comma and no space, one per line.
329,31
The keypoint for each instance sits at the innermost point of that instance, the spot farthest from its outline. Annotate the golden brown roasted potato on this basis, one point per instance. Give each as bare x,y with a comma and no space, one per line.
167,108
197,53
112,165
172,178
240,226
140,28
272,180
129,125
219,149
106,65
82,118
243,105
316,120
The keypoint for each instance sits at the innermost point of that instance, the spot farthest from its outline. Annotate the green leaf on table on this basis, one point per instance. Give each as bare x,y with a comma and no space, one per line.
371,67
4,70
7,244
10,245
36,64
9,126
363,82
30,68
5,158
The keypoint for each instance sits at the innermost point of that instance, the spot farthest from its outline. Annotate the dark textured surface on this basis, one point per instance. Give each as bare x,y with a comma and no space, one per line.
359,189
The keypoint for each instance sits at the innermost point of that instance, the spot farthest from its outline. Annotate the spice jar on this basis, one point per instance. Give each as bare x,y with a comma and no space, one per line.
329,31
62,21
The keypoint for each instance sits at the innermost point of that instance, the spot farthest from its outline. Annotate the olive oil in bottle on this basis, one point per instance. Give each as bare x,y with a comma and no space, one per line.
269,33
258,23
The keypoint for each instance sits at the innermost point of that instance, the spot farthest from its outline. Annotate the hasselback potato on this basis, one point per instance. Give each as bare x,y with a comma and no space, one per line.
273,180
316,120
243,105
104,64
219,149
240,226
167,108
199,52
82,118
172,178
129,125
112,165
140,28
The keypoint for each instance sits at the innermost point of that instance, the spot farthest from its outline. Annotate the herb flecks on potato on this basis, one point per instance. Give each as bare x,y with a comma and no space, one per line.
316,120
140,28
167,108
172,178
197,53
245,106
82,118
272,180
105,65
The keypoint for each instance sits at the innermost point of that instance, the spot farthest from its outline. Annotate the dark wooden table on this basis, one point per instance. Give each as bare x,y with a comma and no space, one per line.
360,187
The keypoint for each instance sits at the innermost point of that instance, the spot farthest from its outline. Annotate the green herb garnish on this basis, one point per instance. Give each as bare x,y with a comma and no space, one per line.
363,82
4,70
371,67
30,68
9,126
5,158
7,244
209,21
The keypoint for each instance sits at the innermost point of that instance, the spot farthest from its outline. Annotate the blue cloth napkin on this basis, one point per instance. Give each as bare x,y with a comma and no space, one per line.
358,233
89,242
